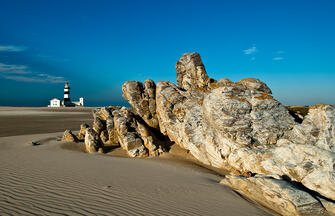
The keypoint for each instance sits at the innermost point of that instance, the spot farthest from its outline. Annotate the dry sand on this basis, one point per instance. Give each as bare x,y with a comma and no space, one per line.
50,180
34,120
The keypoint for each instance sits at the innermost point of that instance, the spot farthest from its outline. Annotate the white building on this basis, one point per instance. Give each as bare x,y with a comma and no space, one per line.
80,102
67,101
55,102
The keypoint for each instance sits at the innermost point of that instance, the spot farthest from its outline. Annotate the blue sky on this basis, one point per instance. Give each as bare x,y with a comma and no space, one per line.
97,45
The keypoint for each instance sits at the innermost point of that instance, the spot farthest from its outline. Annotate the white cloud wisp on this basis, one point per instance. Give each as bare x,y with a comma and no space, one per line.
250,51
22,73
11,48
278,58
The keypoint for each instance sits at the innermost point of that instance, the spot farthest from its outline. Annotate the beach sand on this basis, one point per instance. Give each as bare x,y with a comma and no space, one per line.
56,178
37,120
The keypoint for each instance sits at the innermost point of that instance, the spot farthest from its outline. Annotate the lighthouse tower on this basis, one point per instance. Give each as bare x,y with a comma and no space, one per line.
67,100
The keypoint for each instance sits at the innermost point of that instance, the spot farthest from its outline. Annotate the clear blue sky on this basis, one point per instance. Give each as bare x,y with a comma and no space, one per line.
98,45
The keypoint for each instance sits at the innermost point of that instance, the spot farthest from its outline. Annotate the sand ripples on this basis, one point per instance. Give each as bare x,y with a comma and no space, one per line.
45,180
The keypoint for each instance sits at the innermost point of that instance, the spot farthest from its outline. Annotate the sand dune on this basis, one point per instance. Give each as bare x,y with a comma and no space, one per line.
48,180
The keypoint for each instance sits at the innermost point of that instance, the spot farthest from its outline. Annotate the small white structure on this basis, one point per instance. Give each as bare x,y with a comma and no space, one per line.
67,101
55,102
79,103
81,100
